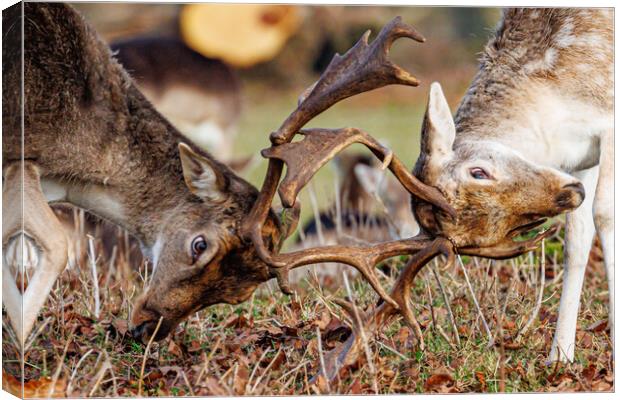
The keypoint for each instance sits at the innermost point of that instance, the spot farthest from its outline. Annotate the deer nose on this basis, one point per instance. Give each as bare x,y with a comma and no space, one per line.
571,196
137,331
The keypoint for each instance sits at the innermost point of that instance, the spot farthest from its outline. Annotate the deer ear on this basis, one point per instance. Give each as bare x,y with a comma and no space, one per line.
370,178
438,130
202,175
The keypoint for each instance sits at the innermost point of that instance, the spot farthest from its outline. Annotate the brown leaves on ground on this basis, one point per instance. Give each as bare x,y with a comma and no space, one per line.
440,383
268,346
36,388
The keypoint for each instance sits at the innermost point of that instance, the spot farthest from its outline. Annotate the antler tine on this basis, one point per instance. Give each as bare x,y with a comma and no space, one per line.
347,353
321,145
362,258
404,284
364,67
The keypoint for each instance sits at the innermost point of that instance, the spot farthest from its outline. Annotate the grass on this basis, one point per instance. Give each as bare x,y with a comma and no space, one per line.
392,115
268,345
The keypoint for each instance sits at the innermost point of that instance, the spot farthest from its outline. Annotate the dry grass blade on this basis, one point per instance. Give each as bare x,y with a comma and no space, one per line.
539,300
362,333
146,354
448,306
76,369
322,359
93,267
475,300
260,378
105,366
59,367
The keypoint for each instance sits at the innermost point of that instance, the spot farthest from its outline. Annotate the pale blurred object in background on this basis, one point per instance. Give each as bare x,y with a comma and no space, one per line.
240,34
199,95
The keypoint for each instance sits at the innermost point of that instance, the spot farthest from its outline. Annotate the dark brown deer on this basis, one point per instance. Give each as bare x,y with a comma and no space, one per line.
93,140
90,138
533,138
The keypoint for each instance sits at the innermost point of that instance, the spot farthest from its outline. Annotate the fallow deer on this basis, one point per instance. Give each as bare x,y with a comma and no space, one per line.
90,138
80,132
199,95
533,137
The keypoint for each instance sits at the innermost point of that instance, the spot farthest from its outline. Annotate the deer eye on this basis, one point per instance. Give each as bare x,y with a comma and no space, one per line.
478,173
199,245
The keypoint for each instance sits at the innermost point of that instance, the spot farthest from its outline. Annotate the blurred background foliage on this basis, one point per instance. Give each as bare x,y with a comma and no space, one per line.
455,37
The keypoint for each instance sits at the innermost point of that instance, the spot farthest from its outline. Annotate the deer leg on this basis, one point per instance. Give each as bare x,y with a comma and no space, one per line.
38,229
604,216
579,234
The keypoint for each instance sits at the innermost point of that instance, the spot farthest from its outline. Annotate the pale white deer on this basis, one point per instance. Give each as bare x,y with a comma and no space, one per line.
533,137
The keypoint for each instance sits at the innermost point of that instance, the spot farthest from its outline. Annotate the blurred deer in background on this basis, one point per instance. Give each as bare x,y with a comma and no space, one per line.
199,95
534,137
371,206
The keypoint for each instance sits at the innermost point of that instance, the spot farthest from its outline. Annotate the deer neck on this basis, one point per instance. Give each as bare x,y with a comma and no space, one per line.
138,179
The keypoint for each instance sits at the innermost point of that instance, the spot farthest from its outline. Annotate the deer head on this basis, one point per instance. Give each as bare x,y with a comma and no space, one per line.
199,256
496,192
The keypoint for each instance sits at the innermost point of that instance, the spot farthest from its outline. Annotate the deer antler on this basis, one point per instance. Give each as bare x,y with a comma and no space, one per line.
366,325
364,67
369,323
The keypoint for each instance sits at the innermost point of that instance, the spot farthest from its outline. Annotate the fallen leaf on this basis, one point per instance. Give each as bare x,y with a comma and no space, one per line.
237,321
589,373
336,330
214,388
321,384
598,326
174,349
323,321
482,380
194,346
441,383
279,359
586,341
509,325
356,387
463,330
512,345
35,388
402,336
241,379
601,386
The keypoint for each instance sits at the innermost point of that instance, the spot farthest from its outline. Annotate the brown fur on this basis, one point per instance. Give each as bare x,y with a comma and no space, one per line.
88,127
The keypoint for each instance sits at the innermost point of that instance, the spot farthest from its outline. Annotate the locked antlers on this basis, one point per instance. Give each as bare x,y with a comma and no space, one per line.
364,67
